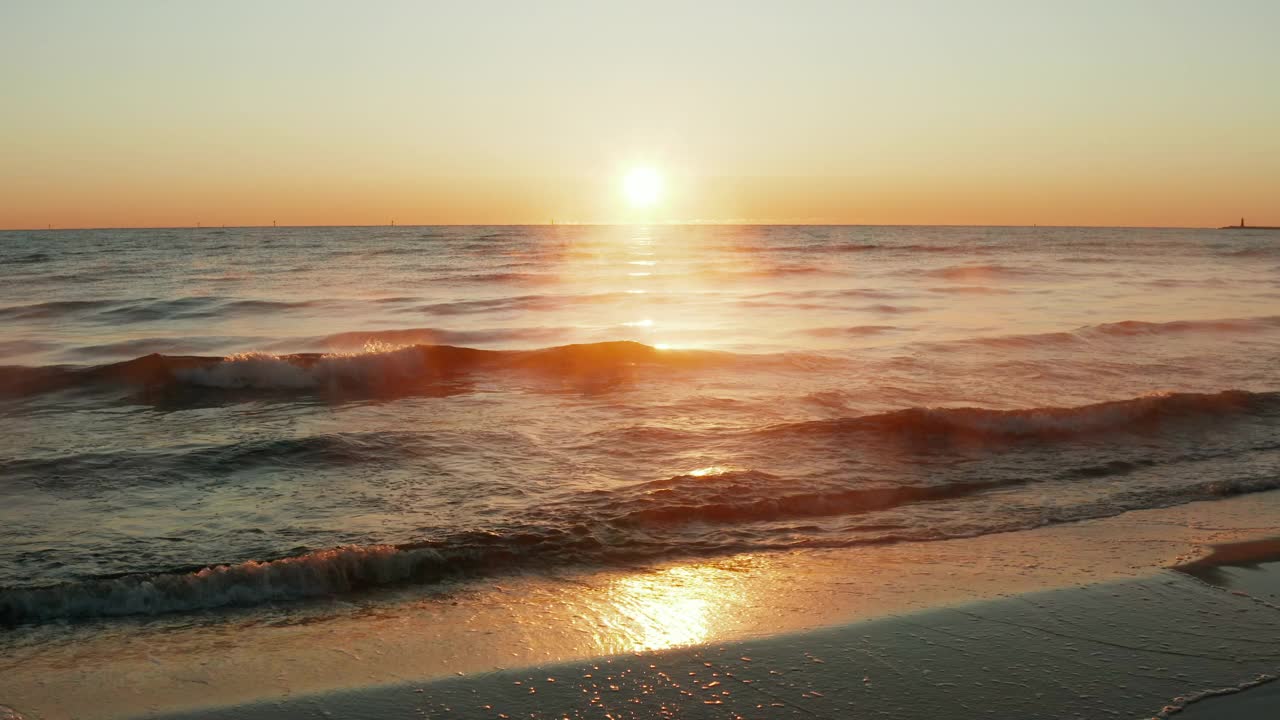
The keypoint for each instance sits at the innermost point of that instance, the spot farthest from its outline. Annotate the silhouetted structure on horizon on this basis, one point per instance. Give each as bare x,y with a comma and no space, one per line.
1242,226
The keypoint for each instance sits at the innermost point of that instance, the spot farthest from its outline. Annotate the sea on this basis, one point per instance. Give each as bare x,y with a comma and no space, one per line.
209,420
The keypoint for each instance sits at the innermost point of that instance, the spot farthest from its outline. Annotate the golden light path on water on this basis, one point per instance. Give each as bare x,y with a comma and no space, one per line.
649,270
671,298
680,605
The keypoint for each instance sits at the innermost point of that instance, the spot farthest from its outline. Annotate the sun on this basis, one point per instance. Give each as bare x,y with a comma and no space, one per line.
642,186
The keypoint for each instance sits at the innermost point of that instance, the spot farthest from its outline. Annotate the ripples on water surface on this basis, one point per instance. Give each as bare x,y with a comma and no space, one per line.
198,418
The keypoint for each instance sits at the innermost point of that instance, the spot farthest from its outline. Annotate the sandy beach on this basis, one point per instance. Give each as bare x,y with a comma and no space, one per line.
1098,651
1064,621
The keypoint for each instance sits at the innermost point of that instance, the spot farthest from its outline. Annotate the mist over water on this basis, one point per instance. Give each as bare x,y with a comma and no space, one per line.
192,419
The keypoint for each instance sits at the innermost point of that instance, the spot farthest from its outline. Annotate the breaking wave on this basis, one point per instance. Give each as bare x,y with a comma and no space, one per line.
711,511
381,368
640,524
414,359
325,572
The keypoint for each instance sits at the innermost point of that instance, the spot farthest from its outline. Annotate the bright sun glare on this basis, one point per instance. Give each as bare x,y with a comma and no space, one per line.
643,186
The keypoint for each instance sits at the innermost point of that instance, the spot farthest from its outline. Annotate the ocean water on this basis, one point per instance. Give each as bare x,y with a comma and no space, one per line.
197,419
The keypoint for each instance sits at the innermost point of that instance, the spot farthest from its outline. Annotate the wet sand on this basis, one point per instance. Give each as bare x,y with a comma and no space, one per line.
1127,649
1251,569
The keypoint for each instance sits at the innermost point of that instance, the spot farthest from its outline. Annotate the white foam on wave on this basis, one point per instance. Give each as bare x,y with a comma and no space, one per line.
1180,703
324,572
265,371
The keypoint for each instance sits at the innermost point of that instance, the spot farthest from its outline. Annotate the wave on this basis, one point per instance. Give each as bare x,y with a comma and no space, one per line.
854,331
713,510
1253,252
356,340
841,294
526,303
971,290
1125,329
383,368
511,277
262,306
326,572
639,524
890,247
149,309
1028,341
410,360
34,258
1229,325
729,497
886,309
164,345
770,271
379,252
320,573
18,347
979,273
980,426
129,467
145,309
60,308
406,360
824,299
834,248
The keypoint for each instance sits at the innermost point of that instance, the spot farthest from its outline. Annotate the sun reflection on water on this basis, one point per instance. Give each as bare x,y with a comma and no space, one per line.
708,471
664,286
682,605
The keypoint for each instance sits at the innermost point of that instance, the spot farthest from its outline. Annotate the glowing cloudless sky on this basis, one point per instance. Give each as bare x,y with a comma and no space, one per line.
165,112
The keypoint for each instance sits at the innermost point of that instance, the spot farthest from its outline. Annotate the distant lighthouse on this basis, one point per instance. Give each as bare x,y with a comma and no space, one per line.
1242,226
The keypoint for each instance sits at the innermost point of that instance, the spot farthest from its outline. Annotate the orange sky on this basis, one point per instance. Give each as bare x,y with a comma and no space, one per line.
168,114
533,201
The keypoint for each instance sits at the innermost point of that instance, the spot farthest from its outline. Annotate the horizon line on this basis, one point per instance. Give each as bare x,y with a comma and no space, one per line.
726,223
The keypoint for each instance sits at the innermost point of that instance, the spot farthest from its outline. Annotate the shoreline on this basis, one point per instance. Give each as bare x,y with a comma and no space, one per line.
1078,652
165,665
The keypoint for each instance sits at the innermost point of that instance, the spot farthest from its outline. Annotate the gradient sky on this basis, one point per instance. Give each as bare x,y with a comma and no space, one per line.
1116,112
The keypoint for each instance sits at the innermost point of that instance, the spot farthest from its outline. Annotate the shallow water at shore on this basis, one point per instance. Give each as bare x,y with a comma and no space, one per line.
311,650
